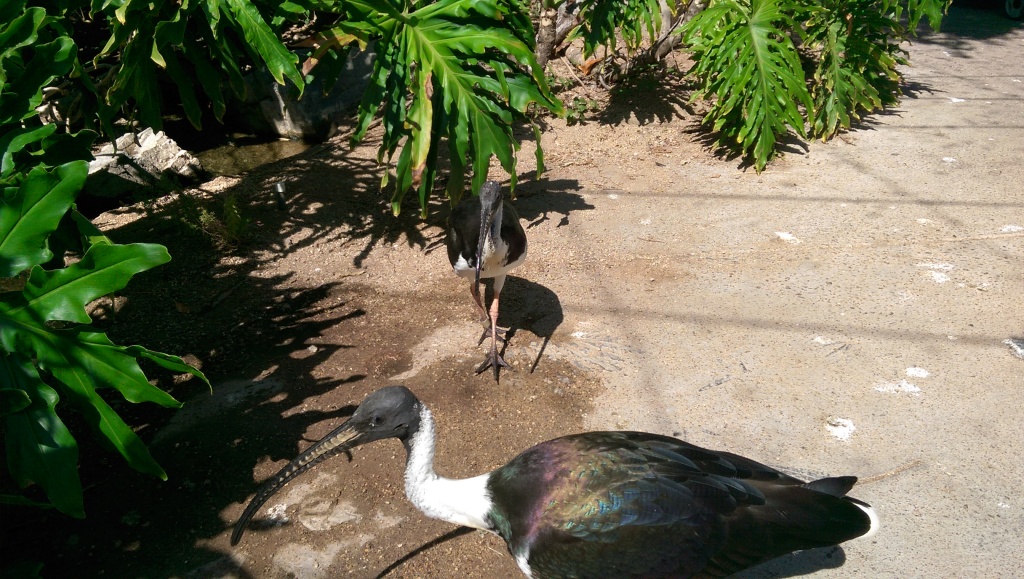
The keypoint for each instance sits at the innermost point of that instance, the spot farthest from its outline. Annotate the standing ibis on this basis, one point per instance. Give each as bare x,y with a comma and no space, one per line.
605,504
485,239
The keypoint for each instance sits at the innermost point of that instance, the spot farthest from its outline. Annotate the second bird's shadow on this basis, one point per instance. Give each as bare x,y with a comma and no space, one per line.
528,305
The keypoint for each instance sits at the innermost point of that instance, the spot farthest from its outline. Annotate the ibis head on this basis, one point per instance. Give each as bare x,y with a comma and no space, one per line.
490,209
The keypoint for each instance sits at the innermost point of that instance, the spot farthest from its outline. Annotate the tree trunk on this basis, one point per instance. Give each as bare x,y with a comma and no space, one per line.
545,35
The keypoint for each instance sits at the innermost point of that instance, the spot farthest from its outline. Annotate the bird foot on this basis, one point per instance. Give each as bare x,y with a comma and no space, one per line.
493,360
500,334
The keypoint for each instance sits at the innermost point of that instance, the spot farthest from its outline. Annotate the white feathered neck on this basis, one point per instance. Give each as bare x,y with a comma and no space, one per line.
461,501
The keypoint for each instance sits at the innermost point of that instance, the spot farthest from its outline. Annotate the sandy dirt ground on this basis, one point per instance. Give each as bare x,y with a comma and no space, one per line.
855,309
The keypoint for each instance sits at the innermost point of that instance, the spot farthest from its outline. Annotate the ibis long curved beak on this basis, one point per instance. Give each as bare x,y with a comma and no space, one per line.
490,201
485,226
346,437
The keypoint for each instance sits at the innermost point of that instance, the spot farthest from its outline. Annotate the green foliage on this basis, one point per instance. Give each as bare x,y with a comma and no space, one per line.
559,83
38,445
204,43
48,352
33,54
458,70
577,111
603,21
747,63
856,71
44,341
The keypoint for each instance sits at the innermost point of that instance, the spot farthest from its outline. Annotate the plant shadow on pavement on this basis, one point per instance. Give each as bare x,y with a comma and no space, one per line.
654,93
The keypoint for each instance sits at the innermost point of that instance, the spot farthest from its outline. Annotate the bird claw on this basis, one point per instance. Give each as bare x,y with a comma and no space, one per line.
493,360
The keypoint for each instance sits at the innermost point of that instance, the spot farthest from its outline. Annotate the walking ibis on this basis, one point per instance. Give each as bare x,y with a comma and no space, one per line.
485,240
605,504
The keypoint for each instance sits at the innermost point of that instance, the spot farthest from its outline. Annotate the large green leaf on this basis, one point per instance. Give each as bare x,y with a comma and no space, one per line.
84,361
745,59
31,212
26,146
62,294
13,400
16,140
280,61
217,38
207,75
933,10
186,89
859,52
60,148
23,91
138,81
39,447
453,69
80,360
44,352
747,65
17,32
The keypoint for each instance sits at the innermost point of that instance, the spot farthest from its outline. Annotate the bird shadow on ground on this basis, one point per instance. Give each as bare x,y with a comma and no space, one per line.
534,308
796,564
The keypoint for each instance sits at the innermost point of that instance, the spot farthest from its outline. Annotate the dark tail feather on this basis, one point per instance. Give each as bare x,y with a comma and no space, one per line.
836,486
817,514
795,517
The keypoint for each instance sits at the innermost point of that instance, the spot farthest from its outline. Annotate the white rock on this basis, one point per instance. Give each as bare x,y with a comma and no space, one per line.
899,388
841,428
787,237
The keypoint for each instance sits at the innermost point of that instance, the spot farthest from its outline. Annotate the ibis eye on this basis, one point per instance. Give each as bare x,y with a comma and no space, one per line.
376,421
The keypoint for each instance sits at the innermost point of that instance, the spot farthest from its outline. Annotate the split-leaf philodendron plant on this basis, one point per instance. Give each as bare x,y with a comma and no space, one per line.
451,81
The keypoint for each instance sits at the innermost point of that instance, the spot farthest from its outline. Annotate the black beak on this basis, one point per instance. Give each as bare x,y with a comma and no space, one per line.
490,201
346,437
485,227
